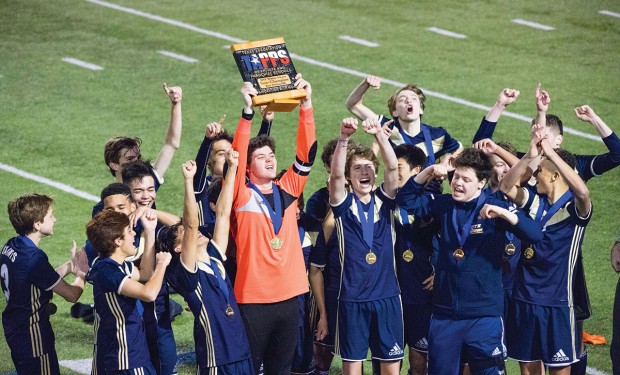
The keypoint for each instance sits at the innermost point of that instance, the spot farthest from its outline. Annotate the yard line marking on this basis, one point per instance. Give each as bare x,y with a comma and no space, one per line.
169,21
593,371
82,64
330,66
358,41
81,366
47,181
609,13
535,25
178,56
446,32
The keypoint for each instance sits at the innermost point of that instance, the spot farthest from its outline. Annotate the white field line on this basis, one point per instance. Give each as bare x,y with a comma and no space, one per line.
325,65
609,13
46,181
593,371
82,64
446,33
358,41
535,25
178,56
81,366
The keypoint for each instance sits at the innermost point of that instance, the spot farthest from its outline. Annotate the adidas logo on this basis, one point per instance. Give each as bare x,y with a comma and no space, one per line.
496,351
396,350
560,356
422,343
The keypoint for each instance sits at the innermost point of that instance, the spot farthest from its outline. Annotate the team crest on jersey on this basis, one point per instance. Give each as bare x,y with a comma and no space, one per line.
560,356
476,229
396,350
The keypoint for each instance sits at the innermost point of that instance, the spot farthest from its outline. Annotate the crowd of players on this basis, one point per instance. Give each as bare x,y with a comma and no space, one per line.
464,280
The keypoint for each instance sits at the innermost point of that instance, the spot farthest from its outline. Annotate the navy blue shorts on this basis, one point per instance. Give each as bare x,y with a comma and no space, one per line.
377,325
236,368
417,320
45,364
542,333
145,370
480,340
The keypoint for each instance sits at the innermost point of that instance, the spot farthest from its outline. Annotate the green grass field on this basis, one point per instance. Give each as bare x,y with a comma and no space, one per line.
55,117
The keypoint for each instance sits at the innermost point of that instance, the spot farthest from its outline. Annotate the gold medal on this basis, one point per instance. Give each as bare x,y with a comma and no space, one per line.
408,256
229,311
458,254
510,249
529,253
276,243
371,258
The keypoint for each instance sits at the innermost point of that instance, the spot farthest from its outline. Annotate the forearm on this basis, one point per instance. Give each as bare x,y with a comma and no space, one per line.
202,158
64,269
190,207
306,138
337,178
601,127
506,156
147,260
154,283
223,207
495,112
356,96
167,218
512,179
240,143
390,162
318,289
74,290
572,179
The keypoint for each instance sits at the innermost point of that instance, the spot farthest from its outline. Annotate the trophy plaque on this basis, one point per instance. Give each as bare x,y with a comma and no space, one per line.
268,66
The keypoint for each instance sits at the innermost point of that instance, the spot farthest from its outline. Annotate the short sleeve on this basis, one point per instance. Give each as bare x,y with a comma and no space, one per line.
41,272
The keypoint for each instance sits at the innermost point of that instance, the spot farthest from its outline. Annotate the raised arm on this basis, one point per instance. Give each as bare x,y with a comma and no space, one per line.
148,292
189,252
488,146
587,114
147,260
337,178
223,207
390,177
487,126
542,105
354,101
173,136
510,185
572,179
242,134
212,130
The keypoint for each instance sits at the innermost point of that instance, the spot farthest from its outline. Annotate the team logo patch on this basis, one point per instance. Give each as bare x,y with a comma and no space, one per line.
422,343
476,229
396,350
496,352
560,356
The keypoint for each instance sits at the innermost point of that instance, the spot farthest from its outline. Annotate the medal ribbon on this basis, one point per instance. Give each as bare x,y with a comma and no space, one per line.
367,221
463,233
220,280
543,219
275,213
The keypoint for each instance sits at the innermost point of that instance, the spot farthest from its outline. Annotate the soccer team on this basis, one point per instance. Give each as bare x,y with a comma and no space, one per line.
464,280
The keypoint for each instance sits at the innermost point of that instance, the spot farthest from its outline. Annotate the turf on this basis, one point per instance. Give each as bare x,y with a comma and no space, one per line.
56,117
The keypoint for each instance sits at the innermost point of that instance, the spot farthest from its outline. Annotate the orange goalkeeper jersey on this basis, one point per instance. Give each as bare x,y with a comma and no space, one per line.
266,275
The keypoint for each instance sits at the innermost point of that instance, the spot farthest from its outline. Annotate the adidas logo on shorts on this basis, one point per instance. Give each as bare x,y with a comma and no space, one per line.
560,356
396,350
496,351
422,343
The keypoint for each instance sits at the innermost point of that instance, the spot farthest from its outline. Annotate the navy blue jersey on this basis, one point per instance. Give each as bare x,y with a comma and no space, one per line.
546,272
219,339
471,287
512,247
318,204
361,281
587,166
310,234
121,339
414,248
27,281
441,141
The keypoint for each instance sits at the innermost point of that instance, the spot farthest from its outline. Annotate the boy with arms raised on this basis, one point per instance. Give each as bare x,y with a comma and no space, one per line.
541,313
219,334
369,305
270,264
406,107
467,290
28,280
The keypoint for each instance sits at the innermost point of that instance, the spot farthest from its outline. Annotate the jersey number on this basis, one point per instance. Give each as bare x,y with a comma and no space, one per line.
4,275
